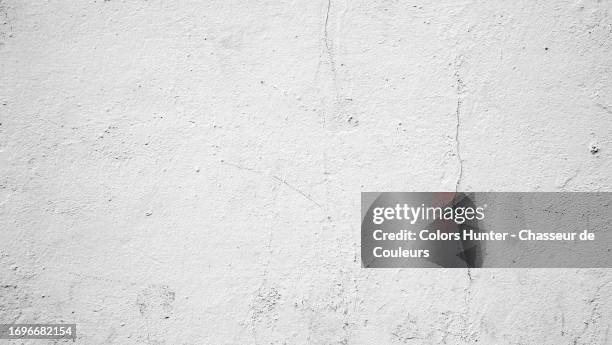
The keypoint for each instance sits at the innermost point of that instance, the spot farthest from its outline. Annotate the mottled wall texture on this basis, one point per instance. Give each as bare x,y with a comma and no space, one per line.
189,172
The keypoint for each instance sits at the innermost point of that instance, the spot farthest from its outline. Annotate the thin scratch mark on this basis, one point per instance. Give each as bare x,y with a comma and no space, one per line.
305,195
103,279
238,166
568,180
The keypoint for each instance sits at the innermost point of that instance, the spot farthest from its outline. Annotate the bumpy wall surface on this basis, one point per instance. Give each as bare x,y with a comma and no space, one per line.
189,172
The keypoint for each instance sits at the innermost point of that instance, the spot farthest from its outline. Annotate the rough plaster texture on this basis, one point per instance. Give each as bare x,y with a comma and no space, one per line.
189,173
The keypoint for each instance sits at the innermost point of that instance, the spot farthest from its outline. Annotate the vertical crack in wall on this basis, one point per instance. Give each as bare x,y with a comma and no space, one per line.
327,54
325,34
331,92
458,144
468,289
460,89
328,48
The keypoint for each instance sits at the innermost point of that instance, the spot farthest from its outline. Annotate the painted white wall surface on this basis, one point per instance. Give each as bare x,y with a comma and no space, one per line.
189,172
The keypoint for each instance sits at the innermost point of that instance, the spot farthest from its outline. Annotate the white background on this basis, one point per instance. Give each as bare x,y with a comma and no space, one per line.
189,172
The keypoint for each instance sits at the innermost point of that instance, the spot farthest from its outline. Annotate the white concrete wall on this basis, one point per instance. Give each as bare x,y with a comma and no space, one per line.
189,172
